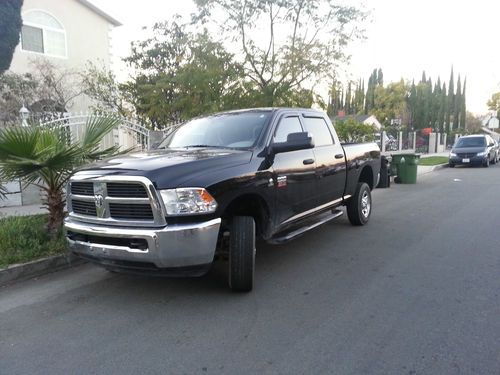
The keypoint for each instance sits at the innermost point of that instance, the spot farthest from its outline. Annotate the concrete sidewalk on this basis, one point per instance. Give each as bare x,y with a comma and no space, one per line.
33,209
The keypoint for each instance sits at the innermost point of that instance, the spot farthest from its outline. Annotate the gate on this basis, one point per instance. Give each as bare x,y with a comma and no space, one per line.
127,135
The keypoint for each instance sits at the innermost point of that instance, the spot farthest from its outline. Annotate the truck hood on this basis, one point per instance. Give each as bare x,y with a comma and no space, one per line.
171,167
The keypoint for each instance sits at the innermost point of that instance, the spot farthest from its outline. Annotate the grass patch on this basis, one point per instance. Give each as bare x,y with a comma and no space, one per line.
434,160
24,238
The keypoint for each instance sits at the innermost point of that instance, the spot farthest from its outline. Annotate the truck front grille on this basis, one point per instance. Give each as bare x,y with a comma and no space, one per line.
130,211
82,188
122,190
114,201
84,208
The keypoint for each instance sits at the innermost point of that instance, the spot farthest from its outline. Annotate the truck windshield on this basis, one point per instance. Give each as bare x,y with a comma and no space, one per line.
232,130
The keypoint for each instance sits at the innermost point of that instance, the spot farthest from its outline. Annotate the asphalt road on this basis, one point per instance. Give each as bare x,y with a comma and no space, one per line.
416,291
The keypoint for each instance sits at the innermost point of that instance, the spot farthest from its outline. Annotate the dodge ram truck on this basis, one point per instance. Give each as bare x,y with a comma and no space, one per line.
213,186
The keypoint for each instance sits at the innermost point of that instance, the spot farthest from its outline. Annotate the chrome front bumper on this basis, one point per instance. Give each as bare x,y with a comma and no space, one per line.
172,246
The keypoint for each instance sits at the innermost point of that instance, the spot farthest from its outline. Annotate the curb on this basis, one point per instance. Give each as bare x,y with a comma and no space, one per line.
435,168
18,272
439,166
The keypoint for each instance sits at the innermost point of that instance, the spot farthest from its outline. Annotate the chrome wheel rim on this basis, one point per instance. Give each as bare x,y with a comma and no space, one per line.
365,204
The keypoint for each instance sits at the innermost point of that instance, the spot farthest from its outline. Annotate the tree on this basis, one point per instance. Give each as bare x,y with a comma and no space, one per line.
450,103
304,42
41,157
100,84
463,108
458,104
494,103
46,88
10,29
391,103
181,75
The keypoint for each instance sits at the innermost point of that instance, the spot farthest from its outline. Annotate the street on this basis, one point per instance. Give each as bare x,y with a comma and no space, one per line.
416,291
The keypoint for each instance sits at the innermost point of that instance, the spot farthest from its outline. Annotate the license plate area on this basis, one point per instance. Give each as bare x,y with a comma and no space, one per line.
466,160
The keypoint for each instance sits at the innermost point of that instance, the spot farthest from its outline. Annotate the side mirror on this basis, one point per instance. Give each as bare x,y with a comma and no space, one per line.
294,142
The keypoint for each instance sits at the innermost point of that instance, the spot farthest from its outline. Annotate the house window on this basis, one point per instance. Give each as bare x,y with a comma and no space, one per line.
42,33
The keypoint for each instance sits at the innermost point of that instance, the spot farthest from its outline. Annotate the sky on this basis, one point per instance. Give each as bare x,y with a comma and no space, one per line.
402,37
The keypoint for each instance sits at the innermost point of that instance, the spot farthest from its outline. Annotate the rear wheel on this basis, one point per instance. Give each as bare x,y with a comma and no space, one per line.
359,207
242,253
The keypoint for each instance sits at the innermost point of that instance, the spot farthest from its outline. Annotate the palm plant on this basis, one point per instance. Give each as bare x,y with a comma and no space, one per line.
44,158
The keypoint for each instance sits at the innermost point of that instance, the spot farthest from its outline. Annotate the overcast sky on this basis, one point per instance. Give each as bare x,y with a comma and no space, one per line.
404,38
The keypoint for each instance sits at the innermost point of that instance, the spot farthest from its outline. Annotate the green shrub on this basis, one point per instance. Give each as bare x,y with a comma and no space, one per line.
352,131
25,238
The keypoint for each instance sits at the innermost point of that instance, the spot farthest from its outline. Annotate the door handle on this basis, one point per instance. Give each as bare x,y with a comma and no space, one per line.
339,156
308,161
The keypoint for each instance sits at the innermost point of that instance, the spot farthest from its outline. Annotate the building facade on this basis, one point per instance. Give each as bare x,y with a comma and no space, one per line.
67,33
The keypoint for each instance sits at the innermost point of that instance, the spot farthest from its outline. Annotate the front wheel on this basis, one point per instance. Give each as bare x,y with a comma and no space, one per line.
242,253
359,207
486,164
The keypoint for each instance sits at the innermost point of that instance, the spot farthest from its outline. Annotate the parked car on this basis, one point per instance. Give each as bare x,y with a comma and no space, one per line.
213,186
479,149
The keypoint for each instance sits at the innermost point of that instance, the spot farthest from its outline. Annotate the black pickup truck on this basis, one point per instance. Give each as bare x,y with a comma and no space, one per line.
212,186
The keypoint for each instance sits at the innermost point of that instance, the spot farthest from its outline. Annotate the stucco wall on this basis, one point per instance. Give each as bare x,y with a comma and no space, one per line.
87,39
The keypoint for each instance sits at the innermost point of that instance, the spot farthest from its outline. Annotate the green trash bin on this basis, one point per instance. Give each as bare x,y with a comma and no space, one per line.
407,168
395,161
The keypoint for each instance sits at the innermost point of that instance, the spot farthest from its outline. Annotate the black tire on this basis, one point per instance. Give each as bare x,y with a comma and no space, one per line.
242,253
451,165
487,163
359,207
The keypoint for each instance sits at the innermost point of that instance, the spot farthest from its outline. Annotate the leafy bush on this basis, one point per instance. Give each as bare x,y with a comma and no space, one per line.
25,238
352,131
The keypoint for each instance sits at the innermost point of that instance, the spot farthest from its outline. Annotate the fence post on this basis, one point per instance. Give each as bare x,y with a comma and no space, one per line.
445,139
400,141
414,145
383,140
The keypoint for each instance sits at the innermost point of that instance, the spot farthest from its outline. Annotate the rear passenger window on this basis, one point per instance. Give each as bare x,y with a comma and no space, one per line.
286,126
318,128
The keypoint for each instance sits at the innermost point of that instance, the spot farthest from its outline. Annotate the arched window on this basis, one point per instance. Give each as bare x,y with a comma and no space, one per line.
42,33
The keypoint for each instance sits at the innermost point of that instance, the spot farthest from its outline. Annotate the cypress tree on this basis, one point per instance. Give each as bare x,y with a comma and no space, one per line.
444,101
10,30
450,103
463,109
424,79
380,77
458,104
348,99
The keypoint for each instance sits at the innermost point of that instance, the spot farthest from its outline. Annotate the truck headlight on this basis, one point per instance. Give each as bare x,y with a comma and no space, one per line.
188,201
452,154
484,153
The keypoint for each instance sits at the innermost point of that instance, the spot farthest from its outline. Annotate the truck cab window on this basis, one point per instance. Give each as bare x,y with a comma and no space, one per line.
286,126
318,128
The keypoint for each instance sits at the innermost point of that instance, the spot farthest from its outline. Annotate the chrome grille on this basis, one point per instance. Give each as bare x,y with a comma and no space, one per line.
131,211
82,188
115,200
466,155
84,208
126,190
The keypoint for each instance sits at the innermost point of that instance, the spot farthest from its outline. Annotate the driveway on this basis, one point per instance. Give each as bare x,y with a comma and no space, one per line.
416,291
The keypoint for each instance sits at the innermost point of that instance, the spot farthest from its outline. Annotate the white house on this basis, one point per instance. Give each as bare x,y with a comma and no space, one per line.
68,33
490,121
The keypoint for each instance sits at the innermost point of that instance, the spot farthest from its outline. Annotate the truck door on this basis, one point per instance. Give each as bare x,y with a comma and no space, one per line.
294,177
330,160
